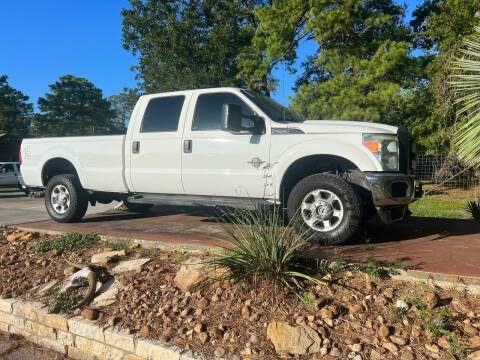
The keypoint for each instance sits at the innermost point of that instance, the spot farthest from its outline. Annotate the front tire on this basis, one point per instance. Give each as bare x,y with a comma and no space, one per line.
326,208
65,199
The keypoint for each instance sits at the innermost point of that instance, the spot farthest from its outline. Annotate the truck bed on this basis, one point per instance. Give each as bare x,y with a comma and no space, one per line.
99,160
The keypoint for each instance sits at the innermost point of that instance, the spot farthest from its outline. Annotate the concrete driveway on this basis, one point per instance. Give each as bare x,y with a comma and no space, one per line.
16,207
443,246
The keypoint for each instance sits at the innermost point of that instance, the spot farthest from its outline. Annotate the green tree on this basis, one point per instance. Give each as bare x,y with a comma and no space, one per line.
15,111
188,44
123,104
15,117
362,65
440,27
74,107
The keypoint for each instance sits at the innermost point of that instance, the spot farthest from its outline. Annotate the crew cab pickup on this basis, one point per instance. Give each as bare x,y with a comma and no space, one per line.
231,147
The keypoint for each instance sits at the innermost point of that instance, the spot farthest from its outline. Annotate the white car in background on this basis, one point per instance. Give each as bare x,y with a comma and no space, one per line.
9,174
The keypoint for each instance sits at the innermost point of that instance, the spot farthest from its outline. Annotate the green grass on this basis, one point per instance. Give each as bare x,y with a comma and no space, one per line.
67,242
439,208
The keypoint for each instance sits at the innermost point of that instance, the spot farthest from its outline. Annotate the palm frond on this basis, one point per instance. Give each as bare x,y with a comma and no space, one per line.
466,83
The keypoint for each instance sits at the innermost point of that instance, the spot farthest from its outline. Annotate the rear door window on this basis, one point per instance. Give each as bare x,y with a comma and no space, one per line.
162,114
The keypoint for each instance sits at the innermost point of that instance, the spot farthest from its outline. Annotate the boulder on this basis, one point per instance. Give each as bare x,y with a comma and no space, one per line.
16,236
295,340
105,257
192,273
475,341
91,314
432,300
474,356
130,265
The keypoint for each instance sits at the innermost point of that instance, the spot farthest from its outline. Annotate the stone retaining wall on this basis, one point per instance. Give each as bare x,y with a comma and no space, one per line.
79,338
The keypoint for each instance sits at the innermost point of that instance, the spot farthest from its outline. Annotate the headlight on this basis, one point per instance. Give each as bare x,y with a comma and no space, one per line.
385,148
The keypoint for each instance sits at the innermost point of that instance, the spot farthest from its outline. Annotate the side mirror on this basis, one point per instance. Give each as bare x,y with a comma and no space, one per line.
233,121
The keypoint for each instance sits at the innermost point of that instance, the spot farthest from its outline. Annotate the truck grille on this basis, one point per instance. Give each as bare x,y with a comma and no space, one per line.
405,151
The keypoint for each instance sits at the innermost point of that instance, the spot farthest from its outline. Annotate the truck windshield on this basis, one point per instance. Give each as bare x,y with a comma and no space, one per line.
272,109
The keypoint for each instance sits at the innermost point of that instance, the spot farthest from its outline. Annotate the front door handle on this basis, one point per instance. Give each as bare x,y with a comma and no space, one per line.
187,146
135,147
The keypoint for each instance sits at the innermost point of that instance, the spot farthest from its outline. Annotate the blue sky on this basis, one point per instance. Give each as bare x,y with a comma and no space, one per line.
43,40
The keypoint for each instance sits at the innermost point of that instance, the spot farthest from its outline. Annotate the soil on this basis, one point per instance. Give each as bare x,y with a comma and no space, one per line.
356,314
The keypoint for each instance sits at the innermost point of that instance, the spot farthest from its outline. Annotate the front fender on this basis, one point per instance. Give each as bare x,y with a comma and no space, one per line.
358,155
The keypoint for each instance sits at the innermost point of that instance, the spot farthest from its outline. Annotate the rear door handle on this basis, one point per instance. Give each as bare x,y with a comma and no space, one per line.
187,146
135,147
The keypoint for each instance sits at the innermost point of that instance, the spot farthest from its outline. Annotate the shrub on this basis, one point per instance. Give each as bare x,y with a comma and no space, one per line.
262,248
67,242
63,301
473,208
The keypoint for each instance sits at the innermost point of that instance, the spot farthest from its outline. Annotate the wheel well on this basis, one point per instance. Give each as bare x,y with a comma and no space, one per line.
57,166
315,164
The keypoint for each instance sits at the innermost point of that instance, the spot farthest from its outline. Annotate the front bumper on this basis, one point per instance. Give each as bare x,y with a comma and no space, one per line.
391,194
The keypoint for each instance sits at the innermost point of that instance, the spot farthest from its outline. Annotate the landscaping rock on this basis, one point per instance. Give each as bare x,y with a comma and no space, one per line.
16,236
357,347
475,341
335,352
130,265
219,352
432,300
443,342
407,355
432,348
70,270
470,330
105,257
245,311
383,332
109,296
300,340
203,336
90,314
401,304
325,313
145,331
355,308
474,356
391,347
191,274
397,340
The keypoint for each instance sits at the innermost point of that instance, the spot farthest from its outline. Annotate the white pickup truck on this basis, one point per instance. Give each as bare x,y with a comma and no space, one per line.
231,147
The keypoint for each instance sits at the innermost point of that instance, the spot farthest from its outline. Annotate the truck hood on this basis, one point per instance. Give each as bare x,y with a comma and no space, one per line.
339,126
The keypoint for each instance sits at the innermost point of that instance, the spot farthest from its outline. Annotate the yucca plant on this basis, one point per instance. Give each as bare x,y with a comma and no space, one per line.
466,84
473,208
262,248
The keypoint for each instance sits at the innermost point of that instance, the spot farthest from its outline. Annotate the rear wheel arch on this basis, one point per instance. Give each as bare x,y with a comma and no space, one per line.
57,166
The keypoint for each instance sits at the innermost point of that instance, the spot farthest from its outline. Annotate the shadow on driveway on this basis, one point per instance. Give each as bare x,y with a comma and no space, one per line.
447,246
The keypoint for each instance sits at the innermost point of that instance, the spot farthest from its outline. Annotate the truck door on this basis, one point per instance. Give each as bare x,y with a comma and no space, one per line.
155,145
220,163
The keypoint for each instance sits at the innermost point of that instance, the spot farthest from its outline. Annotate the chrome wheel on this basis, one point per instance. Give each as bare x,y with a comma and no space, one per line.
322,210
60,199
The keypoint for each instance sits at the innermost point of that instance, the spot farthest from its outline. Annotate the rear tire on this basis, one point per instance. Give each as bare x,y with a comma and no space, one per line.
137,207
326,208
65,199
